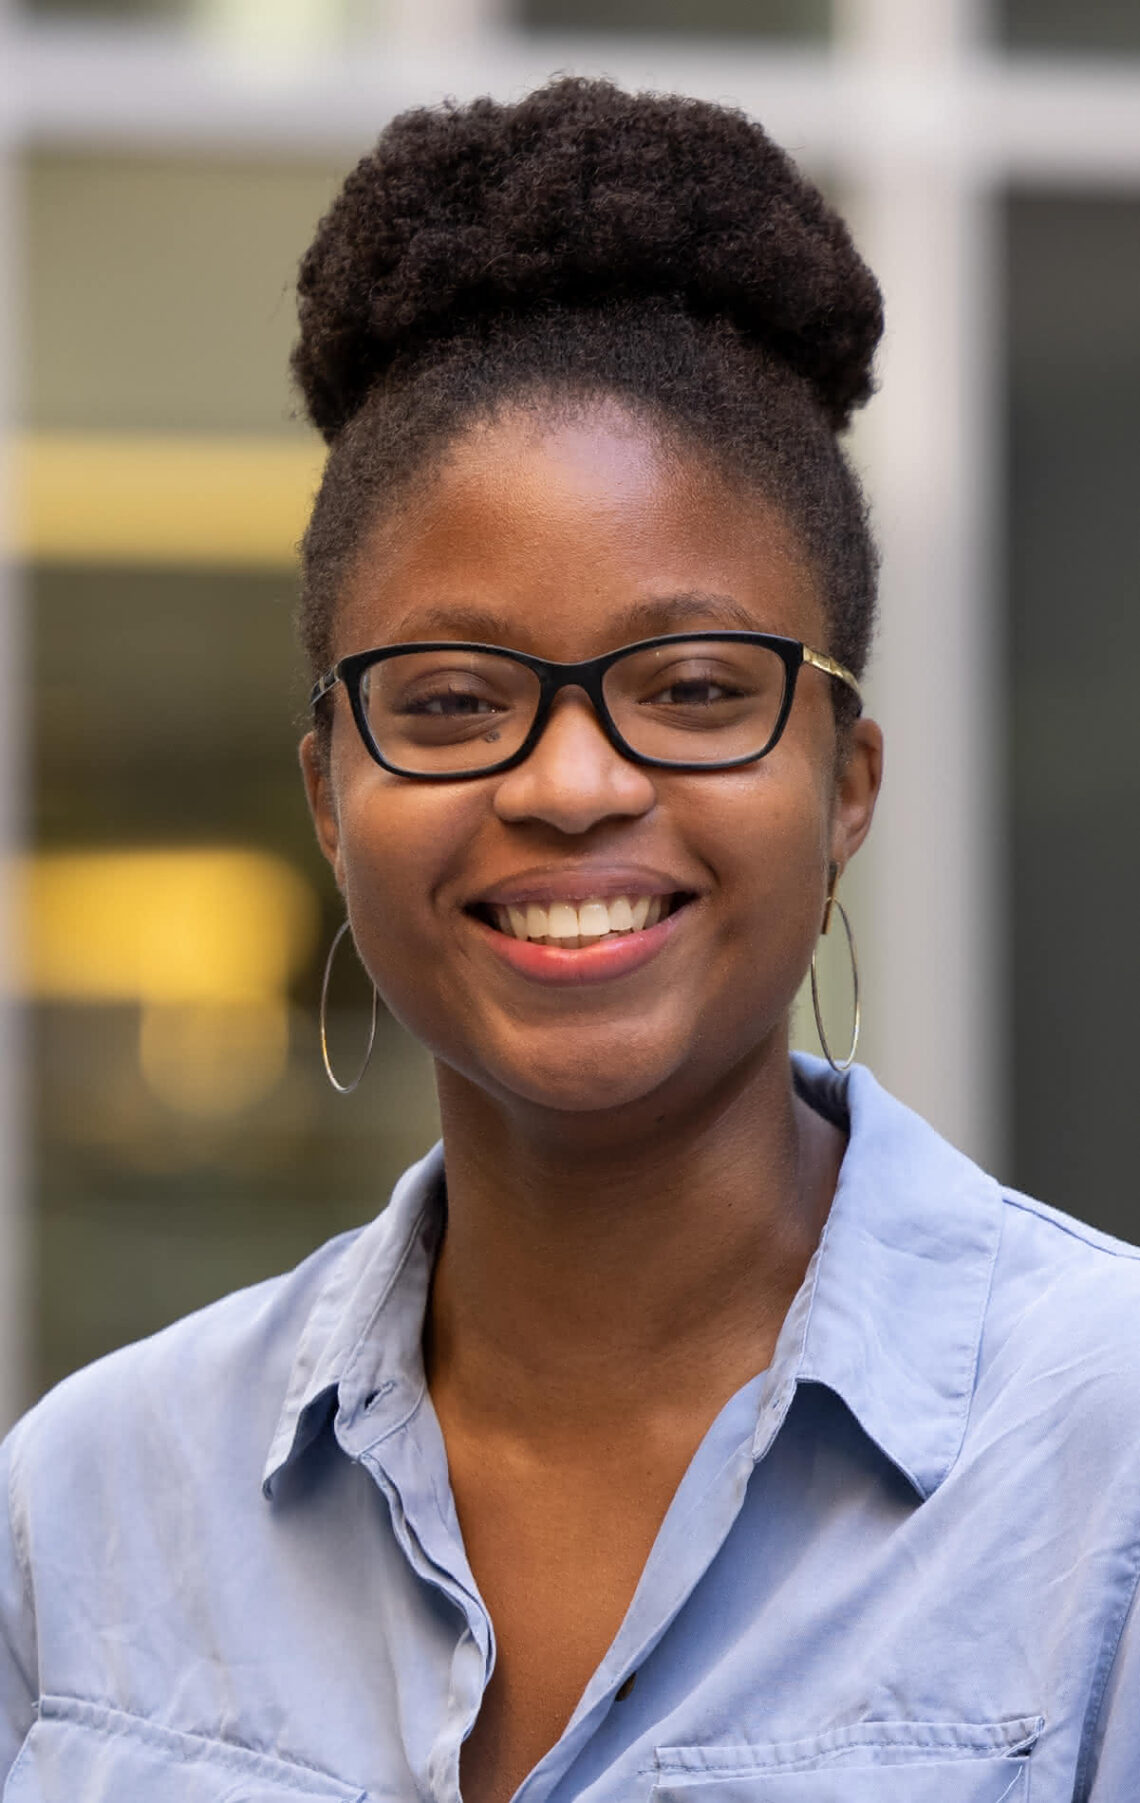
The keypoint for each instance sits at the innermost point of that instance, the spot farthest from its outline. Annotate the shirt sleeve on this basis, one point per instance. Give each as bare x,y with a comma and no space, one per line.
1115,1761
18,1687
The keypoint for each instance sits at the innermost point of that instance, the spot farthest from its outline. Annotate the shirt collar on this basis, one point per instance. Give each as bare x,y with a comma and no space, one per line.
889,1314
361,1343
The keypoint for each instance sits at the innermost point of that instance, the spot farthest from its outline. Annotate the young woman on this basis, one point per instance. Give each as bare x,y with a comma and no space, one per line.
694,1424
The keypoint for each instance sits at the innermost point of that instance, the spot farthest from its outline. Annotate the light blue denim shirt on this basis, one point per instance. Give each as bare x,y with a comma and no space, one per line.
900,1568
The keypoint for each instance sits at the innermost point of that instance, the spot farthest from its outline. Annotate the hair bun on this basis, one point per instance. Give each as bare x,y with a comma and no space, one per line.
579,194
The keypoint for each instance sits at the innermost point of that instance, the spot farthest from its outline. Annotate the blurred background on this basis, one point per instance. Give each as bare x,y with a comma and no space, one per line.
166,1132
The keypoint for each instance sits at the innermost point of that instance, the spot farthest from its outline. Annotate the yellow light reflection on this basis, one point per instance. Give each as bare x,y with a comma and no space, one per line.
213,1059
97,498
205,942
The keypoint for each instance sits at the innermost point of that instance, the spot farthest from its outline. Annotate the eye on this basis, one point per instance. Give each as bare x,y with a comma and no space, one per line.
450,703
696,691
696,685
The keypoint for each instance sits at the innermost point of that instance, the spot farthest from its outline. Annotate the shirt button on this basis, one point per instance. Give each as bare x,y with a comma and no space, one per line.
626,1689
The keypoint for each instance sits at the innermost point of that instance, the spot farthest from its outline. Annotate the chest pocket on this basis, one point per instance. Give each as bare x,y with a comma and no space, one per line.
83,1753
874,1762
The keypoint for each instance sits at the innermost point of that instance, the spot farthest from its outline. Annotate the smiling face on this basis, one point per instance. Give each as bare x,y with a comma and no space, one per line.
567,538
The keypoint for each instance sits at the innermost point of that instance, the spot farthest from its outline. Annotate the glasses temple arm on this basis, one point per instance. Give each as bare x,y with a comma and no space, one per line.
321,688
820,661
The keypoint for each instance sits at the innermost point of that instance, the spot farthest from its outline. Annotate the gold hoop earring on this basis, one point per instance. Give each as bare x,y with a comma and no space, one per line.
342,1089
833,904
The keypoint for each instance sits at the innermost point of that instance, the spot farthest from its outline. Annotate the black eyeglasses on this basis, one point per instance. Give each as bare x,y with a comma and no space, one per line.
441,712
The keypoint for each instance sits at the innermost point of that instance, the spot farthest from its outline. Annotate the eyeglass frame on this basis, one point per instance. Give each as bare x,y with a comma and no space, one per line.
587,676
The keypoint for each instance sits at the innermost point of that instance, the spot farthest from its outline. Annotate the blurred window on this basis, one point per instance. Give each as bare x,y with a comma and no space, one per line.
185,1140
1094,25
160,289
1073,335
742,18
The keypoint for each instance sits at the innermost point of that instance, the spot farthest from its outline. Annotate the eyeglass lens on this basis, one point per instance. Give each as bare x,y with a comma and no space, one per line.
692,702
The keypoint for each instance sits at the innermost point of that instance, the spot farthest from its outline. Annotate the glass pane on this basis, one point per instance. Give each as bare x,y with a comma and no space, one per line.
1074,537
697,18
696,702
160,290
432,712
186,1139
1096,25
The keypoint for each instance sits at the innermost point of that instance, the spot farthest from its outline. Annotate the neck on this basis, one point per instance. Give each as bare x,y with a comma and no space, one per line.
592,1264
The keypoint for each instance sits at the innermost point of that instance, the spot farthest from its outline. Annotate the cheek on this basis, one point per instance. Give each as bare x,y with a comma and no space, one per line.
400,846
768,843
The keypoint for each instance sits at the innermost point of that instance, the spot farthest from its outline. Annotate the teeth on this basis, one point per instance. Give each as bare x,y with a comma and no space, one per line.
561,921
593,920
621,916
568,926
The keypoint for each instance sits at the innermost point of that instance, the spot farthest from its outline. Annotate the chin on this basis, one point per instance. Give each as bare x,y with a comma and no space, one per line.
593,1079
648,1076
600,1093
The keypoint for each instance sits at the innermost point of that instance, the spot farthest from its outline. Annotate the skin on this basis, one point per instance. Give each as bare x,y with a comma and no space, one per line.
634,1191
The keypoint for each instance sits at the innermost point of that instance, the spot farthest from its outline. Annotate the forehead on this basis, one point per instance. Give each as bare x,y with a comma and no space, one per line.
568,535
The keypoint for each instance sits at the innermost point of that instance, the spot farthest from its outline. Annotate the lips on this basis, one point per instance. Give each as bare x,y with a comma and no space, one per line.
583,912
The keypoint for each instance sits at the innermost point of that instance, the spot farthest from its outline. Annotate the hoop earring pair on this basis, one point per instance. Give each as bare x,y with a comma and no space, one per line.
342,1089
831,906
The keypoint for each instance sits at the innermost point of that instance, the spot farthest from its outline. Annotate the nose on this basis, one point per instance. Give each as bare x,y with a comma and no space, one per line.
574,778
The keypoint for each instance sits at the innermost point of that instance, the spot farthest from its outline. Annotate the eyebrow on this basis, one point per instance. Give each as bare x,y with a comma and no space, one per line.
642,619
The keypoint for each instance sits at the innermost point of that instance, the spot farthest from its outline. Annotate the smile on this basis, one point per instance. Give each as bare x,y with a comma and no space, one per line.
573,926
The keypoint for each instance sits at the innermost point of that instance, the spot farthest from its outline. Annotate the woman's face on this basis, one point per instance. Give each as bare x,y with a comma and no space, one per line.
566,539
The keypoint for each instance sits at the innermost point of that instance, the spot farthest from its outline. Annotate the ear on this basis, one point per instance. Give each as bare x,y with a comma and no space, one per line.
856,790
322,803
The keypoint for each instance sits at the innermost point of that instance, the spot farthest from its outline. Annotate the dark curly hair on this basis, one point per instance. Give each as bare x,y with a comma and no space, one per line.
588,243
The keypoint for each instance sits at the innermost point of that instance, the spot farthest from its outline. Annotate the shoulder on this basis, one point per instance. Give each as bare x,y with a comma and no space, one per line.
195,1410
1034,1278
215,1378
1035,1311
1060,1326
1049,1258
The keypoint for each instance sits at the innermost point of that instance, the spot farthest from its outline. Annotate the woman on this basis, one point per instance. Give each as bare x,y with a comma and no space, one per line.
695,1424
